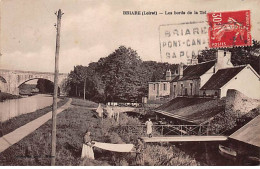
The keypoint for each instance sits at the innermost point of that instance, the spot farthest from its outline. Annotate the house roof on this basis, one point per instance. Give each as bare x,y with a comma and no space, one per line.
220,78
249,133
160,81
195,71
193,110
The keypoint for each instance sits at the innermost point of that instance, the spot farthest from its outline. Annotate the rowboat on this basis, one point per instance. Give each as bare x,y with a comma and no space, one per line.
227,150
253,158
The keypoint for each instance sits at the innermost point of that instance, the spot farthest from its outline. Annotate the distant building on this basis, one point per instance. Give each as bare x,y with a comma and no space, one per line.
160,88
190,79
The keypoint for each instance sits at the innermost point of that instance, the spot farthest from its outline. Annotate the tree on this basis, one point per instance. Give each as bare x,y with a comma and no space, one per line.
239,55
121,76
45,86
76,80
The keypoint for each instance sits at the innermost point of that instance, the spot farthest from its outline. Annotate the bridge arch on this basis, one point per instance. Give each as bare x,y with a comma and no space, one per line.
21,83
3,84
2,79
14,78
50,80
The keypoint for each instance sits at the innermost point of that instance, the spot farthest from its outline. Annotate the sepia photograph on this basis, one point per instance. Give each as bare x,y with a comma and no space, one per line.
129,83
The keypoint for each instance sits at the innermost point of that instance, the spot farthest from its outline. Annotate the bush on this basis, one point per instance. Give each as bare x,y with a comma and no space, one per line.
156,155
228,122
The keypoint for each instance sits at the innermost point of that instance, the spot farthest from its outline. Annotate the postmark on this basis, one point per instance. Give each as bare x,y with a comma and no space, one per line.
229,29
182,42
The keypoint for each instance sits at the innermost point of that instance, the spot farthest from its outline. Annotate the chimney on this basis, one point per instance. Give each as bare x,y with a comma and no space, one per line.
194,61
168,75
181,69
223,60
176,72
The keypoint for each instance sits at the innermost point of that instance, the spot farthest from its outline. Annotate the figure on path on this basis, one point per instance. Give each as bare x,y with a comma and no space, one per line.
139,158
99,110
149,129
87,149
116,116
110,112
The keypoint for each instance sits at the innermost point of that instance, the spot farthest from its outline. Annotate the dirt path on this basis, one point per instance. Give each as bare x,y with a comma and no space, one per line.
11,138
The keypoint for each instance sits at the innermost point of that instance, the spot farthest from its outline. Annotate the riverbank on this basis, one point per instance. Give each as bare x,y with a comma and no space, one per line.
16,122
35,149
7,96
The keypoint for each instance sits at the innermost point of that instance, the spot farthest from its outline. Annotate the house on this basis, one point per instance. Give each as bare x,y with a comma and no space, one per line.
242,78
160,88
189,80
212,78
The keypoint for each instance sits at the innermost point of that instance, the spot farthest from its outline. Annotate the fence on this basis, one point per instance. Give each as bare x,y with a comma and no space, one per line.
168,130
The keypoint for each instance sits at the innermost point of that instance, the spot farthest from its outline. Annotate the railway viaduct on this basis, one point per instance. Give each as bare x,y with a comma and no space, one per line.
10,80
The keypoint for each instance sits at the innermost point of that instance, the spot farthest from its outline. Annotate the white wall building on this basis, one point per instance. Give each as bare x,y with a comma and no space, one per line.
242,78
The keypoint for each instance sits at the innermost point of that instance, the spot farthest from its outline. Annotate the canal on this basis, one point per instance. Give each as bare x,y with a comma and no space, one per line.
16,107
207,153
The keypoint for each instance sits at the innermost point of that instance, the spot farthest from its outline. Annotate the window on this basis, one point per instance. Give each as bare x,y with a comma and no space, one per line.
153,86
181,89
204,94
164,87
191,85
186,91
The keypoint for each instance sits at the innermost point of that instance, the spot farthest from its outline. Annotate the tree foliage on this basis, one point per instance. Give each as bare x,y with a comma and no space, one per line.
239,55
45,86
121,76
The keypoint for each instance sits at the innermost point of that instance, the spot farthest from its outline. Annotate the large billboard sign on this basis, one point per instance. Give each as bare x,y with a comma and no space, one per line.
182,42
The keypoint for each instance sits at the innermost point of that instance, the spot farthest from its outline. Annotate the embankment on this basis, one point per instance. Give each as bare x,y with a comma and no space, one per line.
35,149
7,96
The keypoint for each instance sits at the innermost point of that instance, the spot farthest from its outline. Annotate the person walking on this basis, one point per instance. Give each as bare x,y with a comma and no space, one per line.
116,115
110,112
100,110
149,129
87,149
139,158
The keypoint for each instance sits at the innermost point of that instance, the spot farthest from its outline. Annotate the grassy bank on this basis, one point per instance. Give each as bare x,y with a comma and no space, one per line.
71,126
16,122
7,96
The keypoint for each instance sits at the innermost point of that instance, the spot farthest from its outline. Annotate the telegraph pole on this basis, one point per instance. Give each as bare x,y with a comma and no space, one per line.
85,89
55,95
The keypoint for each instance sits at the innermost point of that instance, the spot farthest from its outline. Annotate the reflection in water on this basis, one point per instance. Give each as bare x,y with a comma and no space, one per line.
16,107
207,153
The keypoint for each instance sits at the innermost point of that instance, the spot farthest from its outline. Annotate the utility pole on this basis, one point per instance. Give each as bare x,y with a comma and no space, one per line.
85,89
55,95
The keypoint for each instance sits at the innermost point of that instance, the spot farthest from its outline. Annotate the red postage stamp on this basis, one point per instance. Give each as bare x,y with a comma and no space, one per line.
229,29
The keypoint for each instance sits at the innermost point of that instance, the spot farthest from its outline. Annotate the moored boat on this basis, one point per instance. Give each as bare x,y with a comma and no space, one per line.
227,150
255,159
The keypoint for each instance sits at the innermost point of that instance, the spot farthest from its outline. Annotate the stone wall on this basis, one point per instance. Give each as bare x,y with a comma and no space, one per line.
239,103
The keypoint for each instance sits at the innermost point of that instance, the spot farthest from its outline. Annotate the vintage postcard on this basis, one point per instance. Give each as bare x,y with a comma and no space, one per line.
129,83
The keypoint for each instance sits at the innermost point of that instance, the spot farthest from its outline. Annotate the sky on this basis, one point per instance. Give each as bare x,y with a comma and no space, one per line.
91,29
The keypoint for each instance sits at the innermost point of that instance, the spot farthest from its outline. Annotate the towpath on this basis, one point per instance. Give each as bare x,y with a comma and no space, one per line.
11,138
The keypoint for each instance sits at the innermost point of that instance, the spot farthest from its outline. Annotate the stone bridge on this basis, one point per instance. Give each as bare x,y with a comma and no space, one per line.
10,80
127,109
